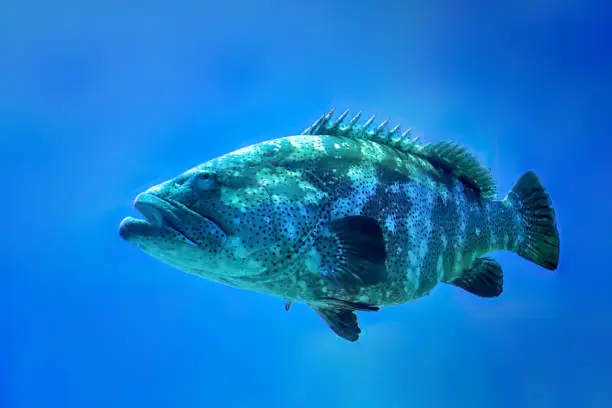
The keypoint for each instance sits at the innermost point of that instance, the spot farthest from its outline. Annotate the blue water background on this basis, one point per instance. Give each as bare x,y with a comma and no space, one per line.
99,100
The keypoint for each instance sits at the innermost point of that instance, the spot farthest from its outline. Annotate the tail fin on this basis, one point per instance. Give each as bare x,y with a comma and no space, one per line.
540,242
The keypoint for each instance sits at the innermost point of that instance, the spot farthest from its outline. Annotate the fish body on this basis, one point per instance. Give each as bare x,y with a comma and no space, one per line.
345,219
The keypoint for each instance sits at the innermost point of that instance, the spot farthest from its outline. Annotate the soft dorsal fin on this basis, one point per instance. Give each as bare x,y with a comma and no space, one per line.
456,159
446,155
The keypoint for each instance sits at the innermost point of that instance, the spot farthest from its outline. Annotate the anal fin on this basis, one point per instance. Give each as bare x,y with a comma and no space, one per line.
485,278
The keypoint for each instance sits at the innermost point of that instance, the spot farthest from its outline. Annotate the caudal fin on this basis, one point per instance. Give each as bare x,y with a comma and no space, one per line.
540,243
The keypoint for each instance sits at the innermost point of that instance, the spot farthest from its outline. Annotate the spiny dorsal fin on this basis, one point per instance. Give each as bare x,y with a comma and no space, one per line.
447,155
393,138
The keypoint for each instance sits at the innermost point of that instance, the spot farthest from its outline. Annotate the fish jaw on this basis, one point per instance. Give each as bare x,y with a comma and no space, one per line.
164,218
164,233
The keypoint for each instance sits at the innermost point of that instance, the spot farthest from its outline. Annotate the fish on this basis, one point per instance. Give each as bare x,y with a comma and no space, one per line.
345,217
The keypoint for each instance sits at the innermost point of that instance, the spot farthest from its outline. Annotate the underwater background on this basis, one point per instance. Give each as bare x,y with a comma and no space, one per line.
100,100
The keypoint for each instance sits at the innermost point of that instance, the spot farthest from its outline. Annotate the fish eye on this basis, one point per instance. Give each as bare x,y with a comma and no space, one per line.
205,180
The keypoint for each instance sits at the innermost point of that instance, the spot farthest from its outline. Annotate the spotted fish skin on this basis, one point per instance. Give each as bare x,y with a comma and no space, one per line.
344,218
433,226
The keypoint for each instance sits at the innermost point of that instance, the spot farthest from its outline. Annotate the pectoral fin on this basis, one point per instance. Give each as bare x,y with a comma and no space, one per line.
360,252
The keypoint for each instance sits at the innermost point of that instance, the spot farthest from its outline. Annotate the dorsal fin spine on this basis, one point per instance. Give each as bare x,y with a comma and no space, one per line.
380,128
364,129
393,132
353,121
340,119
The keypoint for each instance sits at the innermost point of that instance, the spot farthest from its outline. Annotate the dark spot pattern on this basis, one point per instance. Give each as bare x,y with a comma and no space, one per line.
275,202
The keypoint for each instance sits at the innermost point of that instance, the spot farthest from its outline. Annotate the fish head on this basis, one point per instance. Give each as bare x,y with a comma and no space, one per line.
233,217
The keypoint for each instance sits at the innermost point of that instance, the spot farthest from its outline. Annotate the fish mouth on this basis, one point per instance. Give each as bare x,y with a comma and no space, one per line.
156,211
161,214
